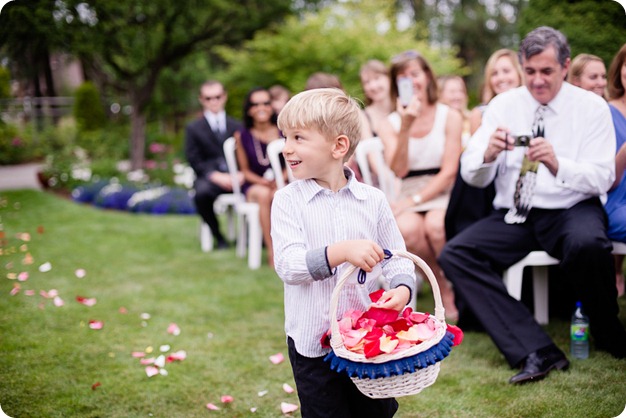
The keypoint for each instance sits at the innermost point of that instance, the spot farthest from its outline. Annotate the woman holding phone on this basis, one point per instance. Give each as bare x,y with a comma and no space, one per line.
422,142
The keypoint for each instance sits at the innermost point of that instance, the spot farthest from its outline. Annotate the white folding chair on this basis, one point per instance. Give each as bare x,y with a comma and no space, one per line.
249,233
539,261
513,276
224,204
274,149
370,159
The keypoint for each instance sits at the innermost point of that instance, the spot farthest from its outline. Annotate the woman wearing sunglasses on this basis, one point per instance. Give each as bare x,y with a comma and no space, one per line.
259,120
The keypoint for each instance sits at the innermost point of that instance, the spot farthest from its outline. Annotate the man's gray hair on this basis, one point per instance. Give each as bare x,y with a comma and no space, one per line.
541,38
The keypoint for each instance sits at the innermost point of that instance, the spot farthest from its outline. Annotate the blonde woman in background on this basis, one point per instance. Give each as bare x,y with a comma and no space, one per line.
422,143
453,92
375,82
502,73
588,72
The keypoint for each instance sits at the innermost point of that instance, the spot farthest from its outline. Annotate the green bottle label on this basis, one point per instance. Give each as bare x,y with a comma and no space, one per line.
580,332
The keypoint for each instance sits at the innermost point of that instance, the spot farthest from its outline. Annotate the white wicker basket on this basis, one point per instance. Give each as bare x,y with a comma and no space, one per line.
398,385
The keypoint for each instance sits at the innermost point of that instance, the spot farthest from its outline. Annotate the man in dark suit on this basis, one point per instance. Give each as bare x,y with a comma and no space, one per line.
204,140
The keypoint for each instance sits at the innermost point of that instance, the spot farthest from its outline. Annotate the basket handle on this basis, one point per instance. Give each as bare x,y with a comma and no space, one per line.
334,301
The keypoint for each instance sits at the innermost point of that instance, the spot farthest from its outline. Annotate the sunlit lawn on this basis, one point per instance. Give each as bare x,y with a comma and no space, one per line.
231,320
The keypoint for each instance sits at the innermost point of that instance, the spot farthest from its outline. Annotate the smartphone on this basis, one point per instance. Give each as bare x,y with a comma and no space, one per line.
405,90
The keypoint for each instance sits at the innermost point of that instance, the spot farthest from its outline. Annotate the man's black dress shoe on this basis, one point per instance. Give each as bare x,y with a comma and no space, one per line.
538,364
222,244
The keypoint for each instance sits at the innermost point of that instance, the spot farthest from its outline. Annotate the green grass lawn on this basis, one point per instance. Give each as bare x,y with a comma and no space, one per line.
231,320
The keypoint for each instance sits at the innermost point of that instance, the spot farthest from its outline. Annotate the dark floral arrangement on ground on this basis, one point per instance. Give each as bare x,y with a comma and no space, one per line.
137,191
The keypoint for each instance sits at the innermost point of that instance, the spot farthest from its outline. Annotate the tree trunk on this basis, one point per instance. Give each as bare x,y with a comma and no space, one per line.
137,137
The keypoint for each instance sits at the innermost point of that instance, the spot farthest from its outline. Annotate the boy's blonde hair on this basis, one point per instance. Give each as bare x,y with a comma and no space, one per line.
329,111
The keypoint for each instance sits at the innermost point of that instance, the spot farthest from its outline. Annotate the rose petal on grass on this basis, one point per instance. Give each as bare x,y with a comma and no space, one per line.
160,361
93,324
145,316
122,310
40,229
95,385
15,290
180,355
287,408
212,407
164,348
152,371
146,361
277,358
29,292
253,409
24,236
287,388
262,393
23,276
173,329
28,259
11,276
80,273
58,302
138,354
45,267
86,301
23,248
226,399
163,372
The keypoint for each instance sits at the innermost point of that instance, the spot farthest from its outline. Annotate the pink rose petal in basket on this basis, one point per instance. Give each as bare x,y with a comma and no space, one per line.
424,332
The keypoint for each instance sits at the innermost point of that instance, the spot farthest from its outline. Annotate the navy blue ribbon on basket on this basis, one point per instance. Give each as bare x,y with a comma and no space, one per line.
361,276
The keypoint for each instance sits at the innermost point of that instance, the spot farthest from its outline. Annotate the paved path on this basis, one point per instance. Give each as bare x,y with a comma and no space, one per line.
23,176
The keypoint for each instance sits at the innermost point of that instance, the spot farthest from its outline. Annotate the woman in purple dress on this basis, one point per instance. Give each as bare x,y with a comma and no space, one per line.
259,130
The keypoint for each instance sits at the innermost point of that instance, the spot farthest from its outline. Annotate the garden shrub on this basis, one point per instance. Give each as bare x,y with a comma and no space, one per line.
88,109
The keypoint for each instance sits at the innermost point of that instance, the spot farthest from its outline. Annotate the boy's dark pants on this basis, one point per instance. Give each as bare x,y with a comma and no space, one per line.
325,393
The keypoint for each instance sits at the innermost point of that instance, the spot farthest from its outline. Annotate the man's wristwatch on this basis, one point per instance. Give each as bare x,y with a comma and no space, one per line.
417,199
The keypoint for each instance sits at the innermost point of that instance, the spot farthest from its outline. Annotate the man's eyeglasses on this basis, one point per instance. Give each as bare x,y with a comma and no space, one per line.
253,104
209,98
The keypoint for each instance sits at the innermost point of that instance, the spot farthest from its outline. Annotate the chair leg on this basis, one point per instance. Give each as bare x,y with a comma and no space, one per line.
242,238
232,228
206,238
255,239
540,294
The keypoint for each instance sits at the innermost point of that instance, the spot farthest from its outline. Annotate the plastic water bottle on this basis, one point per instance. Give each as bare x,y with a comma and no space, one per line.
579,333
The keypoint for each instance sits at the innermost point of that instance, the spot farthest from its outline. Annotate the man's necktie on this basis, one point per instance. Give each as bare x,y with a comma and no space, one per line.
523,197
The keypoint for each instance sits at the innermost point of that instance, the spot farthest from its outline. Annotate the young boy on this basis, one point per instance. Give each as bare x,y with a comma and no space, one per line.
321,222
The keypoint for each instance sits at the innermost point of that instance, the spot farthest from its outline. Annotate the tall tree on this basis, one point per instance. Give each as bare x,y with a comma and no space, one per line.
128,44
28,35
338,40
476,27
592,26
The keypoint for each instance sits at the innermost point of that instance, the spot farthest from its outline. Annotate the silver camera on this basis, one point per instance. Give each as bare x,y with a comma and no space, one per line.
522,140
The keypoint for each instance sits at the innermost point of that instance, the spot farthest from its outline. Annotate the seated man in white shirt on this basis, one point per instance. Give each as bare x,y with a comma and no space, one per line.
552,204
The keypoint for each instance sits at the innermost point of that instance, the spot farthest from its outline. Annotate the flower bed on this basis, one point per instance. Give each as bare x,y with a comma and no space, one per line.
154,199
